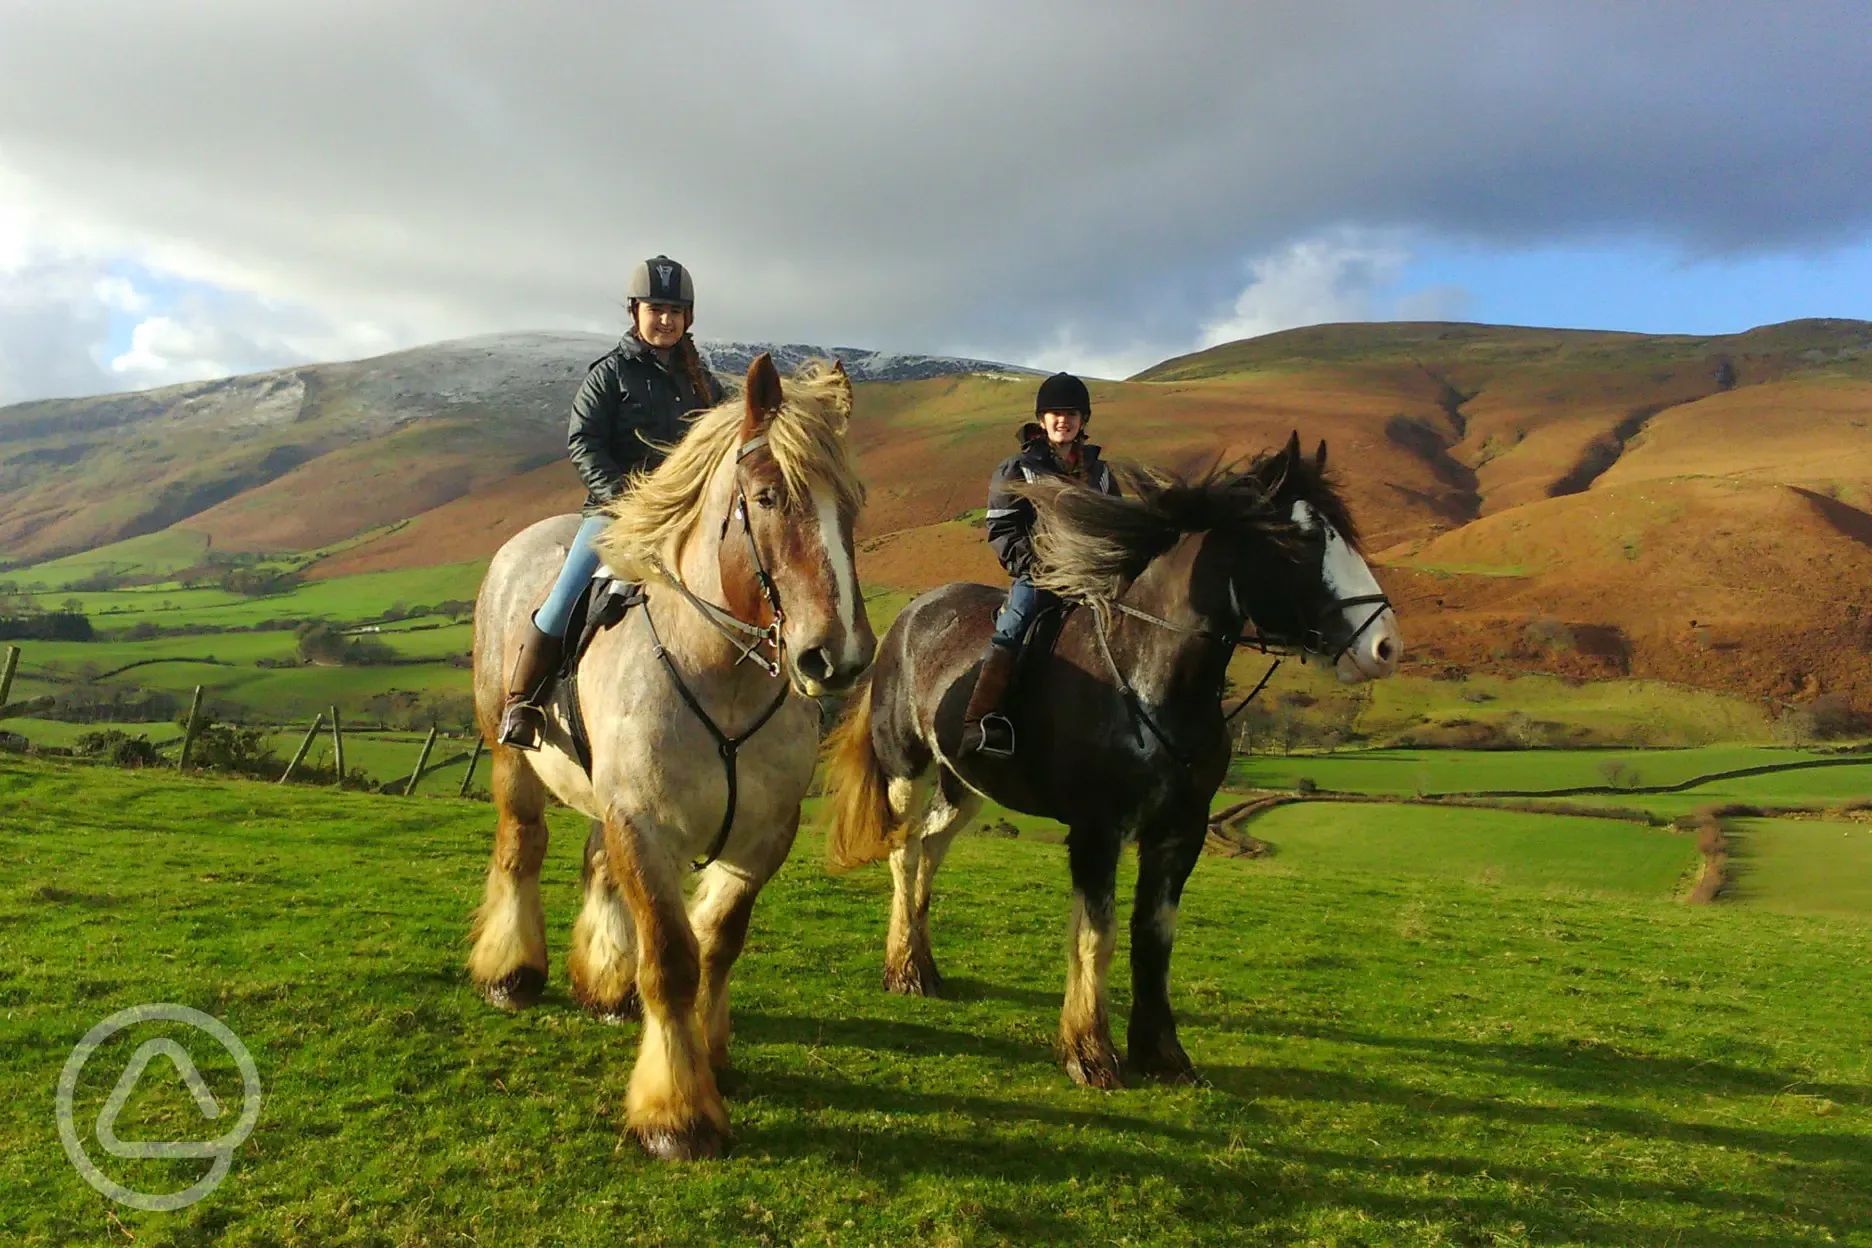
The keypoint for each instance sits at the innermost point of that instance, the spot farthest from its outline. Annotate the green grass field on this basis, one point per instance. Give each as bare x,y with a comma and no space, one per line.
342,599
1460,771
154,554
1507,847
1803,866
1388,1058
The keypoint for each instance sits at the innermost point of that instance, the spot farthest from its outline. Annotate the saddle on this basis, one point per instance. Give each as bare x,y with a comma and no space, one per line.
603,603
1037,644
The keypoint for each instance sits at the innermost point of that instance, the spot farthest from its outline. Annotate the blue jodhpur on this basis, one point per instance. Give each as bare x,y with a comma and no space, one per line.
581,564
1022,601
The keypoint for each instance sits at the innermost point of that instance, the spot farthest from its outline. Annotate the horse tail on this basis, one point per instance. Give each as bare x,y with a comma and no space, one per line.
863,829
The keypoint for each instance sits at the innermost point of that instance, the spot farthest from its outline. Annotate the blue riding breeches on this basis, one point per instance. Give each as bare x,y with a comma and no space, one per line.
580,563
1023,600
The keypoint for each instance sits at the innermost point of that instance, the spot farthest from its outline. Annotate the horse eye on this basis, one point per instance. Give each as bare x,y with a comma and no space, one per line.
765,500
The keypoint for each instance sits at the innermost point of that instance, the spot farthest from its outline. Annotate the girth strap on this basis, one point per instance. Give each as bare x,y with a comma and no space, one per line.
728,747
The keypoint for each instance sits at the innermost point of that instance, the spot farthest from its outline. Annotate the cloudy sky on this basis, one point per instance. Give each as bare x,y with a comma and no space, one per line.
193,188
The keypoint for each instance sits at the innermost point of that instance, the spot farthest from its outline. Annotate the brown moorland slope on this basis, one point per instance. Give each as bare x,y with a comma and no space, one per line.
1678,507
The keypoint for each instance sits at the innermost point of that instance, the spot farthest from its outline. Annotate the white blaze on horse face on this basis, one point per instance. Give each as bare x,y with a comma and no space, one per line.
1378,649
854,626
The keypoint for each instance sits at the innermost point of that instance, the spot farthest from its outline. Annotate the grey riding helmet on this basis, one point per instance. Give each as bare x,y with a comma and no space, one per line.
662,280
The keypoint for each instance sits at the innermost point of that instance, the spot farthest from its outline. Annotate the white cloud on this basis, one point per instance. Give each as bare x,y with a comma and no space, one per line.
218,333
890,177
50,320
119,294
1344,276
1071,352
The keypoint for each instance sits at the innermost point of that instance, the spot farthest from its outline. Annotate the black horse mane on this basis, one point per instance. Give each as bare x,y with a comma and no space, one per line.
1089,545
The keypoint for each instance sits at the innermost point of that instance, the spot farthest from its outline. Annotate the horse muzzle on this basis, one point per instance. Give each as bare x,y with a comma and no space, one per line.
1374,654
830,668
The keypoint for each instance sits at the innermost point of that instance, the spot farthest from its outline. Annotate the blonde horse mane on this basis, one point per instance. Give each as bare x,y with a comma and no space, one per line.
806,437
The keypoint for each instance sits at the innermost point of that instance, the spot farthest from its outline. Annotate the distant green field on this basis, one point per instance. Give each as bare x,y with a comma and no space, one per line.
1647,712
1385,1058
344,599
153,554
1460,771
1803,866
1491,847
56,733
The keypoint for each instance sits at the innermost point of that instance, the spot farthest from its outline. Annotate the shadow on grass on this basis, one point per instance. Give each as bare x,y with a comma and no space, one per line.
1302,1084
1266,1186
1587,1069
956,988
886,1034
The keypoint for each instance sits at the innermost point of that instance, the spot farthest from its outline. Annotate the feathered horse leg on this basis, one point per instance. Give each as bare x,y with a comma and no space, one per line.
508,963
673,1105
719,915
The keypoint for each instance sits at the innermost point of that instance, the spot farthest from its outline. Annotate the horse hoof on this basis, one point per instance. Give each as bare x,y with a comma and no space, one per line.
699,1141
516,990
1091,1067
913,979
626,1009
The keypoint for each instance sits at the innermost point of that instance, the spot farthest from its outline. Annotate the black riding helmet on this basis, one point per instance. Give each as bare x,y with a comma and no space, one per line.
1063,392
662,280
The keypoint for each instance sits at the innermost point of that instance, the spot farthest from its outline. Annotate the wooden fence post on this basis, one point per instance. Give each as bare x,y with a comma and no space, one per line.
317,721
337,747
422,760
6,672
472,760
188,733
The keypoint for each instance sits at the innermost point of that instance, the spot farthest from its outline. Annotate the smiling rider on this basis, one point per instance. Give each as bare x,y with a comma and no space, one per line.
1053,444
627,413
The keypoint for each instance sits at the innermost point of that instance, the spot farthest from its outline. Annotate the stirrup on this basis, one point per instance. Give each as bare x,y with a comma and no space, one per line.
522,726
994,729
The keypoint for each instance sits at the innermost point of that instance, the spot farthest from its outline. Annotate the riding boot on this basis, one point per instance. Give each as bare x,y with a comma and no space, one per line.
523,718
985,726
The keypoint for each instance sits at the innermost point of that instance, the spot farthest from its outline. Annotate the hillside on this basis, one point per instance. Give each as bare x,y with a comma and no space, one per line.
1591,504
300,458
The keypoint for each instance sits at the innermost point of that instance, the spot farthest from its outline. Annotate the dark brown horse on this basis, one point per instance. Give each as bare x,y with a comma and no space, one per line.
1125,737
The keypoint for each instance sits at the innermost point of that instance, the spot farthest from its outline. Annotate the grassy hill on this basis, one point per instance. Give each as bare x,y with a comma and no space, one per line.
1559,1055
1581,504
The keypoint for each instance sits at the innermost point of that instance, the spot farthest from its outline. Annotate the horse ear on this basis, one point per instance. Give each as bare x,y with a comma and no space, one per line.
763,394
838,371
1319,458
1293,448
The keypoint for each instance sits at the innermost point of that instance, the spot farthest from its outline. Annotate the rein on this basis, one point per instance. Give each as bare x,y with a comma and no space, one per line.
1380,603
727,623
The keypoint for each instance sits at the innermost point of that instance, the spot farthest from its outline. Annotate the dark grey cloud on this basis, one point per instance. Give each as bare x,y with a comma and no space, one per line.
988,178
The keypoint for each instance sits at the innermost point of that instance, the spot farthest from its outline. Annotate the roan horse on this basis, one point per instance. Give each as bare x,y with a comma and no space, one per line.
743,539
1127,737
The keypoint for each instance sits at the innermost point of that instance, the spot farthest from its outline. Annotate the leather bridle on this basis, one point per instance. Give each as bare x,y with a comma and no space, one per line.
1310,640
729,624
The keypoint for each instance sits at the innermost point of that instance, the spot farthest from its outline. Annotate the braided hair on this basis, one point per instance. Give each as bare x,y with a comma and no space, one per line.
693,365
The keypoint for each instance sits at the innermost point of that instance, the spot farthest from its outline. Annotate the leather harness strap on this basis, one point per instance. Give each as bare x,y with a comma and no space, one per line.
728,747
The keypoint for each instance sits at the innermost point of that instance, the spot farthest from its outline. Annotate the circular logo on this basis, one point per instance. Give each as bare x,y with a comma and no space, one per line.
221,1149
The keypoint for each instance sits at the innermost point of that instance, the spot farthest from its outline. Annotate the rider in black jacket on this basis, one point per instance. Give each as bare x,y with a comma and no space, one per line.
1052,445
630,407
